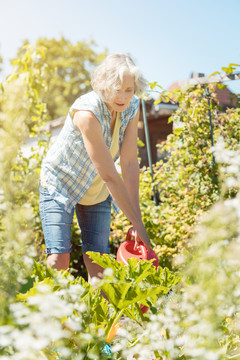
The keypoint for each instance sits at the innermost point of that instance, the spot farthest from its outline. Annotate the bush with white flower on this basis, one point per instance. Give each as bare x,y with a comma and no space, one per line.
200,319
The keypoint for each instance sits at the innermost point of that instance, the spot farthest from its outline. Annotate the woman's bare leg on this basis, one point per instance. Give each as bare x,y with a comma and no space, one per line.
58,261
94,270
61,262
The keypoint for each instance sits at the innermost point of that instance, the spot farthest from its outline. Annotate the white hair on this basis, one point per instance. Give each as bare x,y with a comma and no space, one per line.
108,76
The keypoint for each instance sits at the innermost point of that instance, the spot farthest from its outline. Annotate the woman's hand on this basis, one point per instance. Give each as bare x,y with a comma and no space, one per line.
135,233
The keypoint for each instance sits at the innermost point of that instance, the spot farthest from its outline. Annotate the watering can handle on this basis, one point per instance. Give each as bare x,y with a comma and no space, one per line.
139,245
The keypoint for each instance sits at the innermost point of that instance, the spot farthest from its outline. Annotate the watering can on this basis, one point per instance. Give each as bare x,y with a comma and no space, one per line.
132,248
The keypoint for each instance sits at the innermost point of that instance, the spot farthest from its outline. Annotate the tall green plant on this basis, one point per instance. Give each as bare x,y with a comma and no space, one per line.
20,107
56,311
70,66
187,180
200,318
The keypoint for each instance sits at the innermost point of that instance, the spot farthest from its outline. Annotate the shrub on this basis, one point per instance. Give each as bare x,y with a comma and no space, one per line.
188,182
200,318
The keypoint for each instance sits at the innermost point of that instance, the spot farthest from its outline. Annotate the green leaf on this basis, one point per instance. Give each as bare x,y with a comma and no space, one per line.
140,270
34,291
177,131
140,143
154,84
214,73
232,64
133,283
104,260
221,86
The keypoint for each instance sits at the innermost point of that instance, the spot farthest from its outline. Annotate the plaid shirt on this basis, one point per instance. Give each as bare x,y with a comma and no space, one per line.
67,168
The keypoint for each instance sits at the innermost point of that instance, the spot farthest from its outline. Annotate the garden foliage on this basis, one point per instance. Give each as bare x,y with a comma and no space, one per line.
69,66
200,319
188,179
195,229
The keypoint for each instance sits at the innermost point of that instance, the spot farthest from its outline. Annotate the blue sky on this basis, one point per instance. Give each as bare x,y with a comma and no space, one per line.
168,39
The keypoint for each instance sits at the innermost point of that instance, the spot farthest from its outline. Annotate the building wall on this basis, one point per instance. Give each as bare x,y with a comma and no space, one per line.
159,129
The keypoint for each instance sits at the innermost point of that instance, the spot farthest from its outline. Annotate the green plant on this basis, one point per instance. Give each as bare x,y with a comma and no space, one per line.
200,318
187,180
55,311
128,286
69,71
21,106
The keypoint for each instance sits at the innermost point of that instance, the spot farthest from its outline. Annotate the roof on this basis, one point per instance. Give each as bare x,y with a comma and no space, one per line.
225,97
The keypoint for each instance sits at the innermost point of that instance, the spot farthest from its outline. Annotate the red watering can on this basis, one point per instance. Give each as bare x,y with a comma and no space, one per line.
132,248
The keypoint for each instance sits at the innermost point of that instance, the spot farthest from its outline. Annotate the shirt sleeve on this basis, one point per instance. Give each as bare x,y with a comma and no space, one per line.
133,108
88,102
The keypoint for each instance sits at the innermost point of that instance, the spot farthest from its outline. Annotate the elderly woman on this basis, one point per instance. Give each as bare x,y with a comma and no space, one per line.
79,171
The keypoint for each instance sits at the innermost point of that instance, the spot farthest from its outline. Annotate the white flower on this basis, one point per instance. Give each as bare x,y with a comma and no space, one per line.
232,169
73,325
231,182
23,340
5,340
122,332
5,329
64,282
76,289
237,292
32,251
19,310
95,281
43,288
81,307
116,347
51,305
87,336
65,352
27,261
50,328
101,332
108,272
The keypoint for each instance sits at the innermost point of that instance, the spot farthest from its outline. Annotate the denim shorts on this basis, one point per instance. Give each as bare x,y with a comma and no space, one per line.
94,222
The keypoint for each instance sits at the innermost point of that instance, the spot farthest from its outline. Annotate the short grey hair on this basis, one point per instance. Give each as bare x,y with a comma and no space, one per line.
108,76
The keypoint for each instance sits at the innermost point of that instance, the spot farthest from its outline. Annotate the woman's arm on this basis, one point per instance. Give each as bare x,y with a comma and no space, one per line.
129,162
99,154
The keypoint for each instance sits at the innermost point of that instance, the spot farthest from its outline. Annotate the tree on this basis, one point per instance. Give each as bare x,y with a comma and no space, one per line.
69,76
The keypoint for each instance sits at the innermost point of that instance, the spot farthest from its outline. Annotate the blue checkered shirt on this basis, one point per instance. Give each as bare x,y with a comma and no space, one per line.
67,169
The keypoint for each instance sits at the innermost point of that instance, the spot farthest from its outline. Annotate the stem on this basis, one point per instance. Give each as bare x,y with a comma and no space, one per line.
42,353
234,356
149,150
143,318
156,353
114,319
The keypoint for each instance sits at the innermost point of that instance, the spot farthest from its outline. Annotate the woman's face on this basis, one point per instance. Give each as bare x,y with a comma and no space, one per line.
124,95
